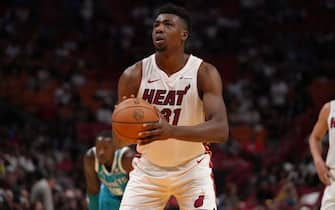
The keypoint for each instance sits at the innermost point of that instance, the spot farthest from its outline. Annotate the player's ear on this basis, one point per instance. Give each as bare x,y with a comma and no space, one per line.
184,35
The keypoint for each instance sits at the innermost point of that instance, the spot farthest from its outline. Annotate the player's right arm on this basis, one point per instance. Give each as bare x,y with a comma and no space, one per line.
128,86
318,132
92,180
130,81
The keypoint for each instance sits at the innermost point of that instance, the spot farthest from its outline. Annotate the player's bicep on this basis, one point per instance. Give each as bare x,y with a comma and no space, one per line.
214,106
92,180
321,125
211,87
130,81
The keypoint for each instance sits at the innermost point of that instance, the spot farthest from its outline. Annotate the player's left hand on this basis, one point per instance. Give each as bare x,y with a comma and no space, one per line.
155,131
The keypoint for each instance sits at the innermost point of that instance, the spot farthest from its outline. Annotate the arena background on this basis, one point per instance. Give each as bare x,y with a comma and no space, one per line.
59,66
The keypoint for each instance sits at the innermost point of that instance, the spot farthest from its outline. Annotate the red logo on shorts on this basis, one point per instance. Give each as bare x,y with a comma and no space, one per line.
199,202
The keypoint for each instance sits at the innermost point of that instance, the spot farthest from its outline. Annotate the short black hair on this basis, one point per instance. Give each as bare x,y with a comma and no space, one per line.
181,12
105,134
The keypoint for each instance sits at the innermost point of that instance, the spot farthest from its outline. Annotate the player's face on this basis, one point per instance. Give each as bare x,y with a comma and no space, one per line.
168,32
104,152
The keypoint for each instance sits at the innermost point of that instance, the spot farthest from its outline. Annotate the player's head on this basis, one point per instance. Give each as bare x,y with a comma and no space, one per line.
105,147
171,27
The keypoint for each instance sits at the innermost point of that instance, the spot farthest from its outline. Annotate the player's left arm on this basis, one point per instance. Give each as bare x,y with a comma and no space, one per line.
92,180
210,87
127,159
214,129
318,132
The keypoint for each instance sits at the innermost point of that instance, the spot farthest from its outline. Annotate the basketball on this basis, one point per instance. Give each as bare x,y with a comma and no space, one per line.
129,116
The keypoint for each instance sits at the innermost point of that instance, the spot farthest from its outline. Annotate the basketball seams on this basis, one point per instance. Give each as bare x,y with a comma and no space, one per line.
116,112
130,115
132,106
133,123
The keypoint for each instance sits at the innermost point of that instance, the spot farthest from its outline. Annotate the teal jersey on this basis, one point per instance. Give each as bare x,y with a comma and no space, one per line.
116,179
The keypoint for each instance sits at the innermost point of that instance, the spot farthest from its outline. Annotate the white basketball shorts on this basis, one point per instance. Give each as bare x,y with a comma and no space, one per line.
150,186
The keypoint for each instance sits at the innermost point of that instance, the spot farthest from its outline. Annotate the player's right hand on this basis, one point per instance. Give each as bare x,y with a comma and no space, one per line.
324,173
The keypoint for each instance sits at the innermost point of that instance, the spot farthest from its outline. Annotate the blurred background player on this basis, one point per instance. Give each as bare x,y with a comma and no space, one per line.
325,169
41,192
106,167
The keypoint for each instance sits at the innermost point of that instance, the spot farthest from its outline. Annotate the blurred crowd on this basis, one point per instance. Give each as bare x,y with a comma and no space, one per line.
59,66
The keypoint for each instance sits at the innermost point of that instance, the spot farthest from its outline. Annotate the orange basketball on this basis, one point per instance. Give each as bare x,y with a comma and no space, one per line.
130,115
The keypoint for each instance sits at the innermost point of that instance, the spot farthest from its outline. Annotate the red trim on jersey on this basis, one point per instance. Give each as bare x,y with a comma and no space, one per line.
138,155
208,151
332,122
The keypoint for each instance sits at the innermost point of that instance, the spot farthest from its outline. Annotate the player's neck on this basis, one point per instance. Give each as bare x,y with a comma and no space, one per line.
171,62
108,167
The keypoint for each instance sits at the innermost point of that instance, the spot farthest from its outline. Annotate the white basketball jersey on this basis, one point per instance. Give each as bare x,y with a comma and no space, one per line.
331,133
176,96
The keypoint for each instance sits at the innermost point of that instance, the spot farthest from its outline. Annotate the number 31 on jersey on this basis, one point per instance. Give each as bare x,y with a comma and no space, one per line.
171,114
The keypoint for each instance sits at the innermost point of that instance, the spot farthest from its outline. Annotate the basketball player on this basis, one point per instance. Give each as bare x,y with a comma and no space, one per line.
326,170
106,170
188,93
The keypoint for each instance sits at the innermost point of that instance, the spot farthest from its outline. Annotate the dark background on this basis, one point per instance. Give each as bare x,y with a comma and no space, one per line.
59,66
